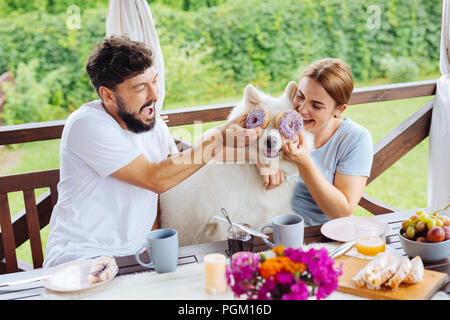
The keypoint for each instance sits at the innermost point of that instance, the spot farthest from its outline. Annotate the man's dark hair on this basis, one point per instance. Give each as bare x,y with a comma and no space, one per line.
117,59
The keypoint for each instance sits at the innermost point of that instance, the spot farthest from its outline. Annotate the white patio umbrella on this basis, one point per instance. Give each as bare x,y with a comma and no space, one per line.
439,154
134,18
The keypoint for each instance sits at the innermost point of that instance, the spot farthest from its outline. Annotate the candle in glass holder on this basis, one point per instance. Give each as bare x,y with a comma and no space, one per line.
215,280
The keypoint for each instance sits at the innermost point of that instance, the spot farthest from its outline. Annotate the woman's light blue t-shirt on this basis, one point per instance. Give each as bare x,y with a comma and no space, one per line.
348,151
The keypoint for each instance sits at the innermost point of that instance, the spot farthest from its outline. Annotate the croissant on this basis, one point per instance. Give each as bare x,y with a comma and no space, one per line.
403,271
379,262
375,280
416,273
390,271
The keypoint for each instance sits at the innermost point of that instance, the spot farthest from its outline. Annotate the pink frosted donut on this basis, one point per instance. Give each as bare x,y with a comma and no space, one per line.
289,123
257,118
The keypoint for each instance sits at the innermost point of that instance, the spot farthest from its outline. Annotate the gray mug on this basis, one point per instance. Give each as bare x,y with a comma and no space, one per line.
162,245
288,231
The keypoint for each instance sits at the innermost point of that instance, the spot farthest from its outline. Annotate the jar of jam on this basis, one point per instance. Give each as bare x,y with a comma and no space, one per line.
239,240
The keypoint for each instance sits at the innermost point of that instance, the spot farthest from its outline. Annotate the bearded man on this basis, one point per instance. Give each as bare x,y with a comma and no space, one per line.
115,158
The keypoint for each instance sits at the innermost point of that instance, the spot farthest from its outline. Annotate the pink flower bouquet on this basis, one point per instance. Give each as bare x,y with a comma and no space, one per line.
293,274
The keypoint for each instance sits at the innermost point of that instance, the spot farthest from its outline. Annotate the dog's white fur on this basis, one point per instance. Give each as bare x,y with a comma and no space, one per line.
190,206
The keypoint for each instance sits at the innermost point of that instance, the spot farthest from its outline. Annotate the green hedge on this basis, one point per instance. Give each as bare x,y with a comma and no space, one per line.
47,49
188,5
8,7
276,38
215,51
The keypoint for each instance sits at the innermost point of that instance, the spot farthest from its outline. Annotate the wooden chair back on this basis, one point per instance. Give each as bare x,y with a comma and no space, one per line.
27,223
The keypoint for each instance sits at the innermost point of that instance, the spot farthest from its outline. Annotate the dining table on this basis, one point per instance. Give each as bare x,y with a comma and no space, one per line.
189,268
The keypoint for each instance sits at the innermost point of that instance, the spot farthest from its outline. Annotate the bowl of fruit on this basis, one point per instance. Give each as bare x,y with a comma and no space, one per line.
426,234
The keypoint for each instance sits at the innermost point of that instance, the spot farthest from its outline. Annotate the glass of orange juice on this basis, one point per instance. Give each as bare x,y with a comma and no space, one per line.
370,239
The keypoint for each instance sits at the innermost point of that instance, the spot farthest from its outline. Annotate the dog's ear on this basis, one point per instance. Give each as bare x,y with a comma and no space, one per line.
291,91
251,96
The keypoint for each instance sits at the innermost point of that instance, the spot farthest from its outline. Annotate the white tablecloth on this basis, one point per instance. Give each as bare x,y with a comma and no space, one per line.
185,283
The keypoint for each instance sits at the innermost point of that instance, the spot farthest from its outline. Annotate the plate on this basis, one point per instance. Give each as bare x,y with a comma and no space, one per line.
343,229
71,276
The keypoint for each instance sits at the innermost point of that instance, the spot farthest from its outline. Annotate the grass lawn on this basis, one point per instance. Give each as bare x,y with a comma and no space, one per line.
403,186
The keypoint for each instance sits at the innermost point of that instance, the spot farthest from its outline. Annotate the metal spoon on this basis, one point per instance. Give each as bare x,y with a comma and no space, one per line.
225,213
244,228
240,226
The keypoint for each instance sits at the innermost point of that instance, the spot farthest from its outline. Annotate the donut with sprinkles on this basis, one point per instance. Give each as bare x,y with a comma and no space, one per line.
289,123
257,118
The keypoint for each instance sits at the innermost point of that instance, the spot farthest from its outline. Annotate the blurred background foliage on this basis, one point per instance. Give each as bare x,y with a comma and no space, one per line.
212,49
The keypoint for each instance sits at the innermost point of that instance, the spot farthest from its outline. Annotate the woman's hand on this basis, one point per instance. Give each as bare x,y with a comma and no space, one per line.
295,152
272,177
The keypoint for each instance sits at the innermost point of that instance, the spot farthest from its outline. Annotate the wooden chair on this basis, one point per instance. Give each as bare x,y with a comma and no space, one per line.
28,222
36,215
394,146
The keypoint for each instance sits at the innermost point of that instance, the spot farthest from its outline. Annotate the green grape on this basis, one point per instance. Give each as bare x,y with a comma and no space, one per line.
424,217
411,232
421,226
405,224
439,222
431,223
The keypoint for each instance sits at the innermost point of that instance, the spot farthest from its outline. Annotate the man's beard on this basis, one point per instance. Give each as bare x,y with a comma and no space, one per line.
133,123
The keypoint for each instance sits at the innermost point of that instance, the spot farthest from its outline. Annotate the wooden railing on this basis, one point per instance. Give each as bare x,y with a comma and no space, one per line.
386,151
53,129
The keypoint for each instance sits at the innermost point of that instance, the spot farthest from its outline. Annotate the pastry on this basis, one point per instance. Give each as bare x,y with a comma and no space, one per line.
102,268
257,118
416,273
402,272
376,280
375,265
289,123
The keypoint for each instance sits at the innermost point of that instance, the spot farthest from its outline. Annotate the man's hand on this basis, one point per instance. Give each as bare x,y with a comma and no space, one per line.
235,134
231,142
272,177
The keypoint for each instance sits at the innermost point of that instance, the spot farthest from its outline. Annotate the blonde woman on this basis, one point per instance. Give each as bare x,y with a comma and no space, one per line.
334,174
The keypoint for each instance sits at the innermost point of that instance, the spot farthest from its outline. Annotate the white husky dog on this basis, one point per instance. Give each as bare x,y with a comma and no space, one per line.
190,206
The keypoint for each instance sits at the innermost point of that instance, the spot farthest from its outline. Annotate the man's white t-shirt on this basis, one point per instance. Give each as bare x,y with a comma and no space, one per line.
97,214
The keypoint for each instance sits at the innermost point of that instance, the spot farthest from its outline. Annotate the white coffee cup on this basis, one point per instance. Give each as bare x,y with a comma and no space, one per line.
288,231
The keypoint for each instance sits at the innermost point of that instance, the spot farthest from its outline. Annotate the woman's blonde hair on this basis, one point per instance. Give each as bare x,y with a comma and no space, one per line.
335,77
